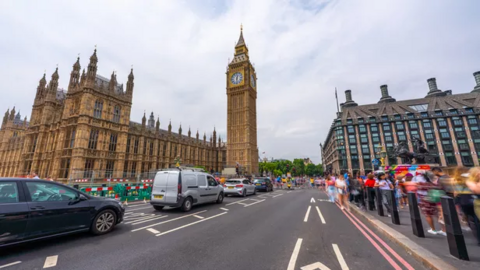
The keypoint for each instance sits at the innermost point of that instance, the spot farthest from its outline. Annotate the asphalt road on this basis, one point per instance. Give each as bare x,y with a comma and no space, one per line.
276,230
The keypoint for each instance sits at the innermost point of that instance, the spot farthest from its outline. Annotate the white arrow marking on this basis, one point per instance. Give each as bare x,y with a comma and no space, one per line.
342,262
320,214
312,200
313,266
293,259
306,215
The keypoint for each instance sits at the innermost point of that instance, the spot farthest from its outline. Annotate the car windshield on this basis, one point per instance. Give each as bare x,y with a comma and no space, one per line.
259,181
232,182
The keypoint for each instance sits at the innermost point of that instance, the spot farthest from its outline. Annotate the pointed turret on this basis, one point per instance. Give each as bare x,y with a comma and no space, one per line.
41,87
241,50
180,130
130,83
113,82
241,41
12,114
75,75
52,87
151,121
92,67
189,132
83,78
25,122
144,119
5,117
170,126
197,135
157,126
204,137
214,137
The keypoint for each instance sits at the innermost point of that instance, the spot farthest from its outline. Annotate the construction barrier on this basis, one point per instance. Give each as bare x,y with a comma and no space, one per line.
121,192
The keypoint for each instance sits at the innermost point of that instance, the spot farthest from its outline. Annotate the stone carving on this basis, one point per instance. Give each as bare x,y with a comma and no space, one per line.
420,154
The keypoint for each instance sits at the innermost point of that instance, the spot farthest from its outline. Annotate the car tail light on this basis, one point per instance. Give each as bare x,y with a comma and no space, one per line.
224,185
179,188
239,186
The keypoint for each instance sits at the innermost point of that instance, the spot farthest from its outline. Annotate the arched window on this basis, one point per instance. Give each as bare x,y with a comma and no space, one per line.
97,111
116,114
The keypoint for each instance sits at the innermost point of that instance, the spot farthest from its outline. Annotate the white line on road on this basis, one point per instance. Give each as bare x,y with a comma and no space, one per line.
342,262
237,202
190,224
289,191
242,203
253,203
130,206
153,231
277,195
320,214
293,259
10,264
141,219
140,208
173,219
224,209
306,215
198,217
255,200
50,261
136,222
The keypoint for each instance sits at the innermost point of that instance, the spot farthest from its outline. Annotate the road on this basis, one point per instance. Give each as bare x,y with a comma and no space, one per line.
283,229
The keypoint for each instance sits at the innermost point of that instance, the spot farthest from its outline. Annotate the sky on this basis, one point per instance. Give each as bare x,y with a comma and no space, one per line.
302,50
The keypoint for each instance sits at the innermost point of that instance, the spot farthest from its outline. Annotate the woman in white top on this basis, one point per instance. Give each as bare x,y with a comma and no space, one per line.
341,186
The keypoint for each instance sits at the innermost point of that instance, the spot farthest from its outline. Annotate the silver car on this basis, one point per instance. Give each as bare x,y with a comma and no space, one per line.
241,187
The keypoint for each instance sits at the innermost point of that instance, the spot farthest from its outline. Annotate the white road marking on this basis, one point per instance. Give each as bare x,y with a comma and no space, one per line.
323,200
342,262
320,214
130,206
50,261
277,195
136,222
237,202
253,203
289,191
242,203
315,266
224,209
153,231
173,219
140,208
255,200
10,264
190,224
198,217
141,219
306,215
312,200
293,259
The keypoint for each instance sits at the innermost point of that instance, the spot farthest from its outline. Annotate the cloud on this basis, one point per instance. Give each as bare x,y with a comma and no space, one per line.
302,50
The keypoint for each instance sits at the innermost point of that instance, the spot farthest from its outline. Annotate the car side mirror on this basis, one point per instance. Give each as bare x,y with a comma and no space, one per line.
82,197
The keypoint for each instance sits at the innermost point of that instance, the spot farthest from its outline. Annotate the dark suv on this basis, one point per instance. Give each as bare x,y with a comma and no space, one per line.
263,183
33,209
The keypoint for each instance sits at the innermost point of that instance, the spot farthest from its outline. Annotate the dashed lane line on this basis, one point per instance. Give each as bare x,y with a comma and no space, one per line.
190,224
253,203
137,205
277,195
50,261
197,216
142,219
289,191
320,214
148,220
139,209
9,264
293,259
306,215
153,231
237,202
342,262
166,221
224,209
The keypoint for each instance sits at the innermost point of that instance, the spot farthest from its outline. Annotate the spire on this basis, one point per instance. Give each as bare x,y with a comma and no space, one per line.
5,117
92,67
75,75
76,66
113,82
204,136
170,126
53,86
84,76
189,132
180,130
151,120
241,41
12,114
144,119
41,87
25,122
157,126
55,75
197,135
130,83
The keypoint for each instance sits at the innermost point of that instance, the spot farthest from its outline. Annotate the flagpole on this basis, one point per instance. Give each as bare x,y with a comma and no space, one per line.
336,97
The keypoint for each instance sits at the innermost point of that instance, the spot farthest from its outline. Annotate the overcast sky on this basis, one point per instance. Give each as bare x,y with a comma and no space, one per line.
301,49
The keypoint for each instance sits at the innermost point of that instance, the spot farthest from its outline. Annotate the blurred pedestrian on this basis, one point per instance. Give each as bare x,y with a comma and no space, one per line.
356,190
385,187
429,195
330,182
399,194
341,186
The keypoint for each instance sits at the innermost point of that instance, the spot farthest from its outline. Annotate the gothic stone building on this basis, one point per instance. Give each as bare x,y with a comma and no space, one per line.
86,132
447,123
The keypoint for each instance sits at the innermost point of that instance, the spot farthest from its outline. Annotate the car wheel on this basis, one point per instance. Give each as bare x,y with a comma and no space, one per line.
220,198
244,193
104,222
158,207
187,205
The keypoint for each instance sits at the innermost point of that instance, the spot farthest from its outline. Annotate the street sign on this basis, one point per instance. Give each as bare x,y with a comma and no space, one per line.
376,162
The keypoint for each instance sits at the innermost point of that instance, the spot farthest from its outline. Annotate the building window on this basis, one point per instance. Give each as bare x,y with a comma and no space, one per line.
444,134
113,143
164,149
442,122
128,144
125,169
399,125
355,163
386,127
350,129
65,168
97,111
116,114
419,107
463,145
414,134
70,138
360,120
457,121
371,119
362,128
353,149
472,120
365,149
432,146
363,138
424,114
374,128
410,116
469,110
397,117
34,143
349,121
466,159
92,141
109,168
151,148
453,112
384,118
438,113
451,160
375,137
427,124
135,146
88,169
133,170
401,136
429,134
413,124
144,147
447,145
388,136
352,139
460,133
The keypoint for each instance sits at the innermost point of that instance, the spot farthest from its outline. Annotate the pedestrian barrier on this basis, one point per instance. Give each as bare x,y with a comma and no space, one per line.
121,192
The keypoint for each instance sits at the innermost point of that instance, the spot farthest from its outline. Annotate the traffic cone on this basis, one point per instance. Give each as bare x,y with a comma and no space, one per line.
126,202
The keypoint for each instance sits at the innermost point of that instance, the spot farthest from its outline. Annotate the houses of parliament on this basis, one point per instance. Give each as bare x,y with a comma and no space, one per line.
86,132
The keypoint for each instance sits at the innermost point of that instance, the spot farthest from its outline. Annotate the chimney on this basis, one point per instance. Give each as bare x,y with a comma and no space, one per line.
433,89
348,95
385,97
477,81
349,101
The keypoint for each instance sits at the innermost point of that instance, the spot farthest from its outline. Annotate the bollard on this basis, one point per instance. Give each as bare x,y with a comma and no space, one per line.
379,205
415,217
103,192
76,186
371,202
456,242
393,203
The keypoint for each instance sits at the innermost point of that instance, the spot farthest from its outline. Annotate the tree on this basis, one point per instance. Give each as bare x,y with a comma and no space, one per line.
201,167
319,169
277,172
310,169
299,166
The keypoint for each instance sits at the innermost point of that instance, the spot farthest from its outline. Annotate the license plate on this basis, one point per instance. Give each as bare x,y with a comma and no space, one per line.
230,187
258,184
158,196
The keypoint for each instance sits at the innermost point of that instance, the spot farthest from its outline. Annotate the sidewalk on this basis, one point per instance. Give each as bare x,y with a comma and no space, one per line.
432,250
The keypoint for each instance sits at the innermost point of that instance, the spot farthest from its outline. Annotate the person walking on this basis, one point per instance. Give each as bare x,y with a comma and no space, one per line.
341,186
399,194
428,194
385,188
330,182
356,190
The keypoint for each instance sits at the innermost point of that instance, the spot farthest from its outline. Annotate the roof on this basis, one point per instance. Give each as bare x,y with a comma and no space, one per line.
101,81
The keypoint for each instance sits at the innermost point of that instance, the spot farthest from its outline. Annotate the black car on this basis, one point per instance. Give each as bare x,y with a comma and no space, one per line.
33,209
263,183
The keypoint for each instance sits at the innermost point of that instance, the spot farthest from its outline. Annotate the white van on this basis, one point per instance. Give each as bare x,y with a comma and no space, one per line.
184,188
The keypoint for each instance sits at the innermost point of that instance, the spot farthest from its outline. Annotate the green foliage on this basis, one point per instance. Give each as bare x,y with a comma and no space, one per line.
201,167
310,169
281,167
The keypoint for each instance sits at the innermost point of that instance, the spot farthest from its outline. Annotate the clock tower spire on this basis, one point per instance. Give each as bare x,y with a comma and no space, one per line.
242,110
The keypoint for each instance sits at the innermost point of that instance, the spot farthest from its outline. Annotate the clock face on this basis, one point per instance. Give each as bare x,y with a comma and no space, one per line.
252,80
237,78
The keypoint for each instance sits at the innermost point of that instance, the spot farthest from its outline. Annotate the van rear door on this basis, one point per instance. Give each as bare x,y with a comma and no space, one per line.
159,190
172,187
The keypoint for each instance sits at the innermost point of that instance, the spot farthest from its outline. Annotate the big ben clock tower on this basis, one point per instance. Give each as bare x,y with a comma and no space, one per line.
242,110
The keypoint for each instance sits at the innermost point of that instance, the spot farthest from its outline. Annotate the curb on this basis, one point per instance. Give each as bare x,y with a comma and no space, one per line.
421,254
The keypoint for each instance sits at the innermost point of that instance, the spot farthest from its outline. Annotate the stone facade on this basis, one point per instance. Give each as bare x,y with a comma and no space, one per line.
86,132
448,124
242,111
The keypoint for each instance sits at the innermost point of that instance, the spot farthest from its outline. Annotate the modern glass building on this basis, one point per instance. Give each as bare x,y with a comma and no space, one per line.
447,123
